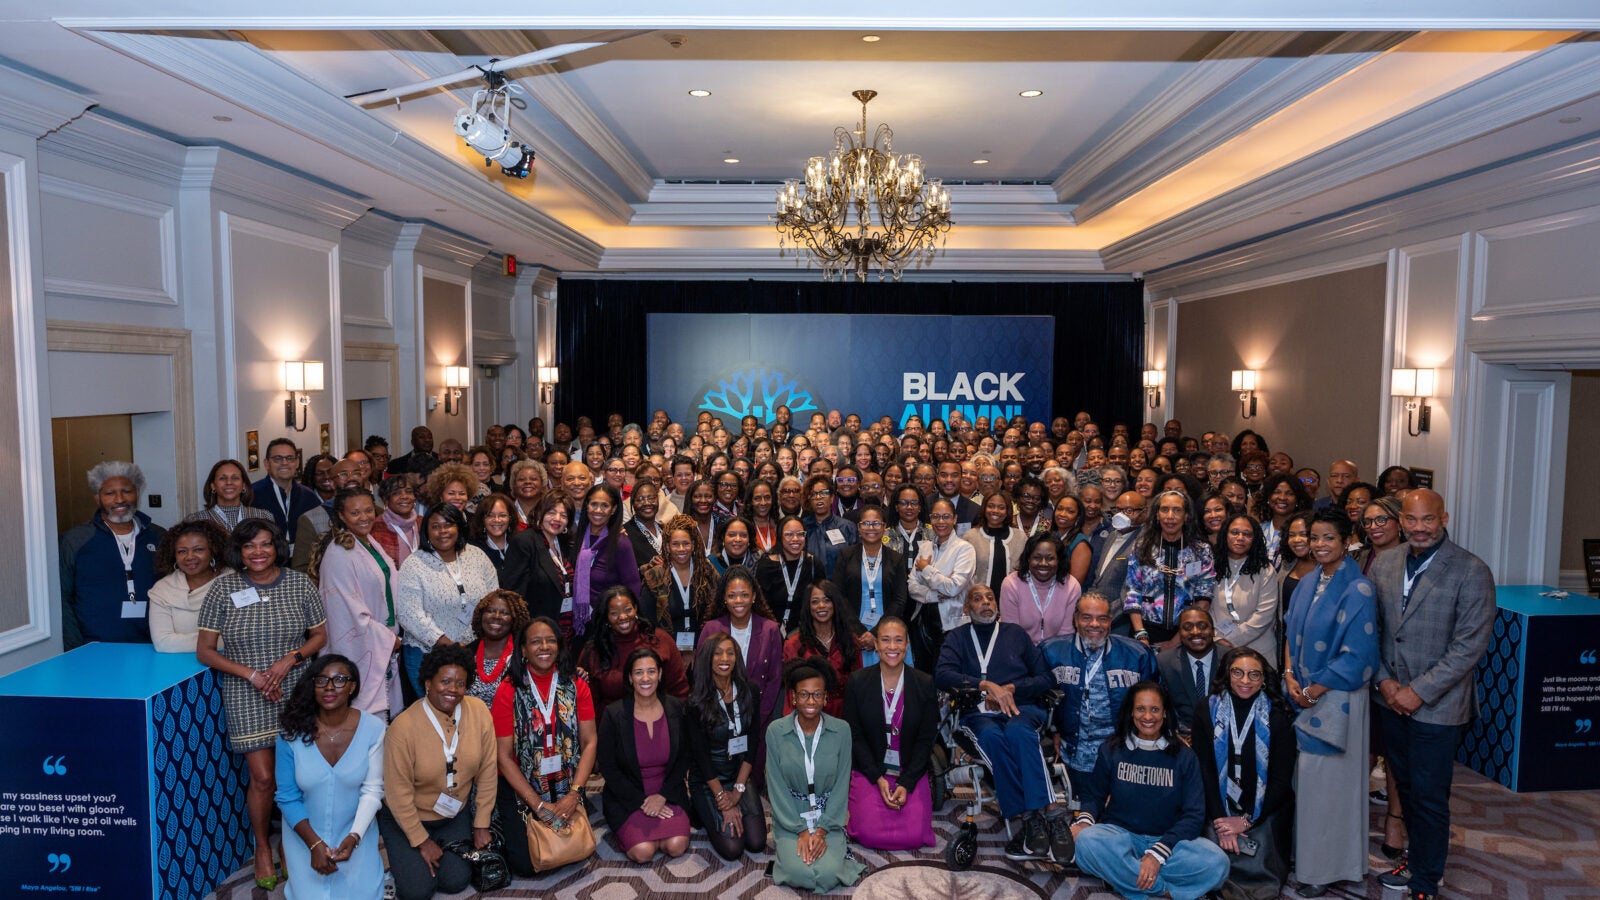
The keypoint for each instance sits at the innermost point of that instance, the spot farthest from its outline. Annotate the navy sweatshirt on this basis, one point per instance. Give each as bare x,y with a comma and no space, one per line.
1015,661
1149,792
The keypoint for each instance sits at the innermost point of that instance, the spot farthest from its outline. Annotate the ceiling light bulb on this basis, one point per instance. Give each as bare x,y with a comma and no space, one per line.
980,162
1031,93
871,38
699,92
731,160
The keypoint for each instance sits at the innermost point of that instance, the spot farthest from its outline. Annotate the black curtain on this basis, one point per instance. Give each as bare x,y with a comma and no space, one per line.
1099,343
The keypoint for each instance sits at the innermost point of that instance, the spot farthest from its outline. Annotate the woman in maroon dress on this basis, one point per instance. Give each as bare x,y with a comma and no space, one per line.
615,632
644,760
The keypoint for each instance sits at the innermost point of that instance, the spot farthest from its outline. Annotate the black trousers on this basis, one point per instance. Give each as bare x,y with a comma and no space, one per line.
412,880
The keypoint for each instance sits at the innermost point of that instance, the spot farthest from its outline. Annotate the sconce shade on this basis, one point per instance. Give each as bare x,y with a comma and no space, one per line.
1244,379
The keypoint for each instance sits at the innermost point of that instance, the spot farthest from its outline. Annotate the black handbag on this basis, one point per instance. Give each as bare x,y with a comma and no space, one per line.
490,871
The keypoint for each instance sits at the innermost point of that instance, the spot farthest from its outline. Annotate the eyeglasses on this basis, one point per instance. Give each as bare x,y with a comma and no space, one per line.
337,681
1255,676
845,480
822,492
282,459
941,517
1379,521
811,695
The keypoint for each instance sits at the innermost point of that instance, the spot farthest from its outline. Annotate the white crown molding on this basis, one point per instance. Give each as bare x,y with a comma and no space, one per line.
744,205
427,56
990,265
1555,175
242,178
35,108
1548,80
386,268
253,79
161,215
429,239
1247,96
376,230
102,144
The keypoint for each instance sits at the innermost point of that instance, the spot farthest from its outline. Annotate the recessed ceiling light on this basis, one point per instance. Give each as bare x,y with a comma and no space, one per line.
871,38
980,162
1570,120
731,160
222,118
440,209
699,92
1030,93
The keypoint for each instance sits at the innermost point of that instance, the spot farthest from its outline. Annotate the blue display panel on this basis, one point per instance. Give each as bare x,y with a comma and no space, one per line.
736,364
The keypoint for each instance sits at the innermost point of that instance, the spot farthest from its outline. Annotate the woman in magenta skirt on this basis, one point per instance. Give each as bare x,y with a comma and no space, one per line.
894,717
644,759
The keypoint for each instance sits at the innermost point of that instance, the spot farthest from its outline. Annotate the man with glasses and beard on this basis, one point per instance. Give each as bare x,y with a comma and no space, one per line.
108,563
1095,668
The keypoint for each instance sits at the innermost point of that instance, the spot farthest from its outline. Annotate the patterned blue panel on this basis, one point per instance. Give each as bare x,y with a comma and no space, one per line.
1490,743
202,831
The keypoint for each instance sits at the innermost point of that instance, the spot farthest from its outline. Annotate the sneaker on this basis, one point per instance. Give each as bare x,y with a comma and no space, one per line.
1016,848
1036,837
1060,838
1420,895
1379,797
388,886
1398,877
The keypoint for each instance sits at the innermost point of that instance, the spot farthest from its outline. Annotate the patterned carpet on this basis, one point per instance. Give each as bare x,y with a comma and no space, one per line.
1503,845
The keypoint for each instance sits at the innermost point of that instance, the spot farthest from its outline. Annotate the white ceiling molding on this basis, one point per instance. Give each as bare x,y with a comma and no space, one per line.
1246,97
992,265
253,181
428,238
745,205
35,107
422,52
248,77
375,229
104,144
1553,78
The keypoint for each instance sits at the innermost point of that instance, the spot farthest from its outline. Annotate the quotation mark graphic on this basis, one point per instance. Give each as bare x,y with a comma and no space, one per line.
59,862
56,767
1584,726
1589,657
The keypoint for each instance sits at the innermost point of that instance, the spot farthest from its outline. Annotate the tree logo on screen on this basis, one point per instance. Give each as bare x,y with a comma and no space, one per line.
755,392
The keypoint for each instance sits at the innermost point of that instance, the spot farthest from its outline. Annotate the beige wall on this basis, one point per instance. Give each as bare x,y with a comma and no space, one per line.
1580,516
444,340
1318,346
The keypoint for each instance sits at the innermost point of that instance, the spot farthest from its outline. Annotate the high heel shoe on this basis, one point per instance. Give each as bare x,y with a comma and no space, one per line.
1388,851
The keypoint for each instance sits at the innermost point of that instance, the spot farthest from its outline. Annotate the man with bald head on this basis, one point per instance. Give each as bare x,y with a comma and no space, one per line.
576,479
1341,474
1435,614
315,522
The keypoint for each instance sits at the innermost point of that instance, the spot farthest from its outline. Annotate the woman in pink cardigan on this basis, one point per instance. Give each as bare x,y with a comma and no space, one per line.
1041,595
354,575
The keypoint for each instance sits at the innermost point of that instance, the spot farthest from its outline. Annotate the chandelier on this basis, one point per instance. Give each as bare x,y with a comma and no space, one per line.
863,207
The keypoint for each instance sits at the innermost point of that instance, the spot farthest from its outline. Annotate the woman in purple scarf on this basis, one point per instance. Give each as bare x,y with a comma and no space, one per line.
603,561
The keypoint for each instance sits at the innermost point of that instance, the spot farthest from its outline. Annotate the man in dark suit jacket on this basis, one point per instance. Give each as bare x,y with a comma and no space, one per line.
279,493
420,461
1435,615
1109,570
1188,667
949,481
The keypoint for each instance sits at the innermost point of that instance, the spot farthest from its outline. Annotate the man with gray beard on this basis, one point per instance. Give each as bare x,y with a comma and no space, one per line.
108,563
1095,668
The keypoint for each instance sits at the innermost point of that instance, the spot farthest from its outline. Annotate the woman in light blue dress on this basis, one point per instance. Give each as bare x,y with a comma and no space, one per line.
330,786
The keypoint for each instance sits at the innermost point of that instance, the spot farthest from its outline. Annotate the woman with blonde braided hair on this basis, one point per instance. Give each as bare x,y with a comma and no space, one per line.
355,577
679,585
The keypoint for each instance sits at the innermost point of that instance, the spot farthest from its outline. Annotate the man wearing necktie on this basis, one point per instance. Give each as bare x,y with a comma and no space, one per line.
1187,668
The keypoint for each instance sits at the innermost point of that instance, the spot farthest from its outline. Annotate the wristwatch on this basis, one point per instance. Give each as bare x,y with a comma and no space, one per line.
738,787
299,657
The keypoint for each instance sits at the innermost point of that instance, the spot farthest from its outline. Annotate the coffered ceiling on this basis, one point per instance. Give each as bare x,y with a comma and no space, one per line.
1159,137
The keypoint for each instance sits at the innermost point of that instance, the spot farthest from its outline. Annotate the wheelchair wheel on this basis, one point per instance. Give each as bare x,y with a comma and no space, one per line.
962,850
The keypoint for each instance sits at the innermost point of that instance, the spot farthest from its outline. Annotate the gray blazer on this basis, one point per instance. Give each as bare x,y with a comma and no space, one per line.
1436,646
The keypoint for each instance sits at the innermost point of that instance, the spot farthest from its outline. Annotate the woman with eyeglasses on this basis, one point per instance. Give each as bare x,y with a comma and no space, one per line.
1244,738
493,524
1380,523
873,576
728,489
1330,655
827,532
330,784
808,783
785,574
1244,611
440,778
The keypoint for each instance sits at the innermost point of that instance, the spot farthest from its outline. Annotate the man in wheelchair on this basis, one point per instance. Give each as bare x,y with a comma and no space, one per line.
995,671
1095,669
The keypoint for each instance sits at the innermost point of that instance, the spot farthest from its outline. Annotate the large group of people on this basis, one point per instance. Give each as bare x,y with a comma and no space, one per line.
732,626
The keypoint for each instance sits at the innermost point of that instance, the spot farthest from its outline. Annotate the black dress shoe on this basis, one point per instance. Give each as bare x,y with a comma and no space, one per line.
1311,890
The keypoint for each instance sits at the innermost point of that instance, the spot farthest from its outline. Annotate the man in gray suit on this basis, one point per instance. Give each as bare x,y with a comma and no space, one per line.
1435,614
1110,567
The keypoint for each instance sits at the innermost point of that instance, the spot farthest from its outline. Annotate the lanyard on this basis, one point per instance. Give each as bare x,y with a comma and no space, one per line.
683,591
891,703
460,587
400,533
790,585
810,756
127,547
1411,580
450,746
911,538
1237,736
869,565
1228,584
735,725
1049,598
1095,663
653,539
766,538
546,707
984,655
283,501
561,566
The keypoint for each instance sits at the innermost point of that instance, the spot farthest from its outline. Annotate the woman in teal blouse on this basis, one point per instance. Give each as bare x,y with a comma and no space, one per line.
808,784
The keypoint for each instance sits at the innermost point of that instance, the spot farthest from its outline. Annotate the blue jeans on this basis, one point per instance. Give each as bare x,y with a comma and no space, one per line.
1422,761
411,665
1010,747
1113,854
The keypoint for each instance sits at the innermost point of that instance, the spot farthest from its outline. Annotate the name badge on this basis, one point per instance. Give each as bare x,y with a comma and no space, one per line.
835,536
1191,569
811,818
550,765
685,640
447,806
134,609
1225,626
566,604
247,597
891,758
738,745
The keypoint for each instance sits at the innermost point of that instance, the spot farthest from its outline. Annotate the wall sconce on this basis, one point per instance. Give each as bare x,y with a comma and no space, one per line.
549,377
1244,381
456,379
1416,385
300,377
1153,380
